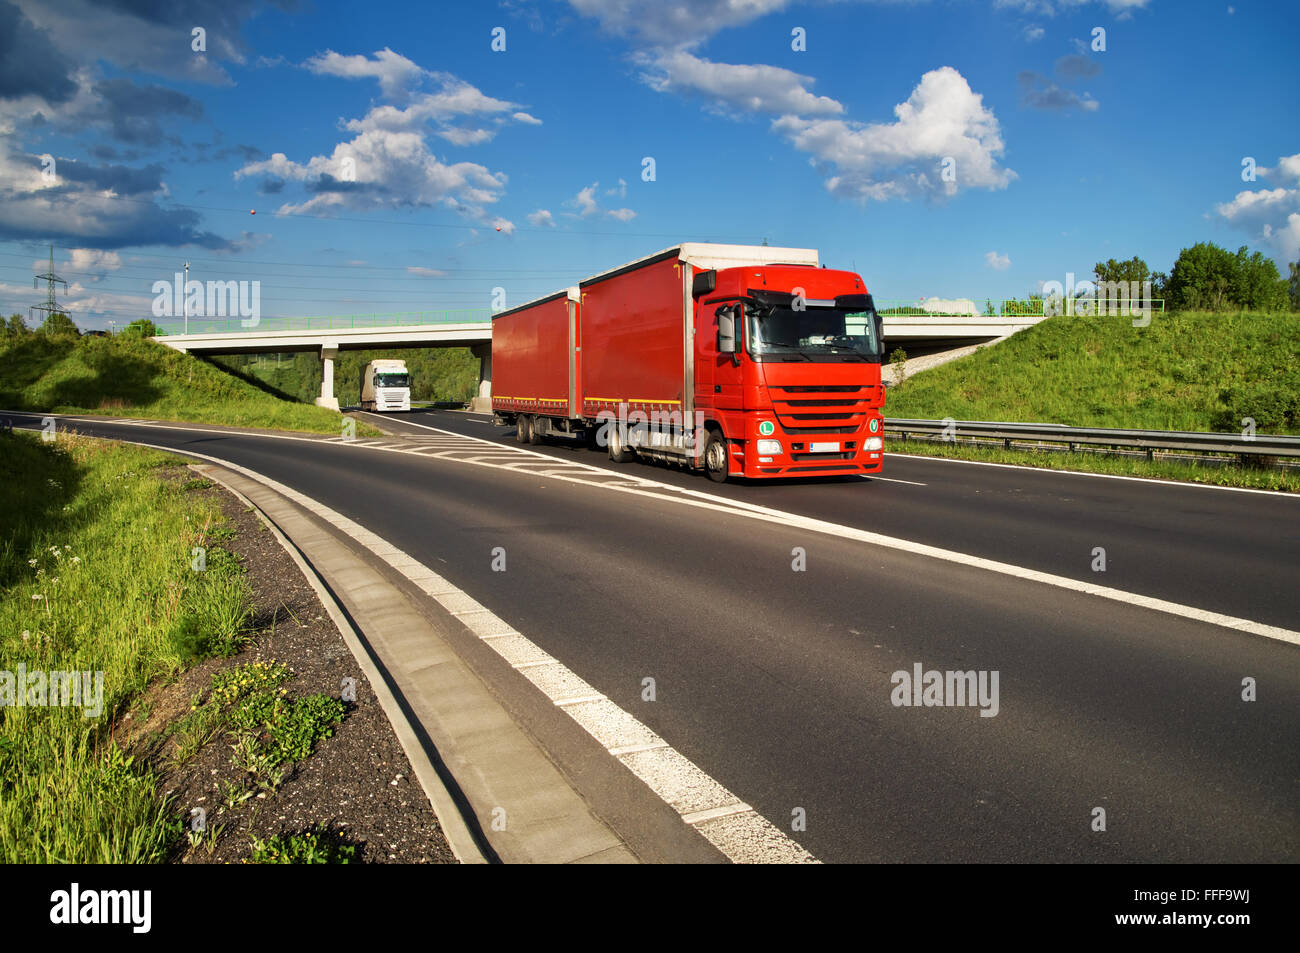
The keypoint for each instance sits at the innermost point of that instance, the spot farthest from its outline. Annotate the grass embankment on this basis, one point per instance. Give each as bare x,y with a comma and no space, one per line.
135,377
96,577
111,571
1185,371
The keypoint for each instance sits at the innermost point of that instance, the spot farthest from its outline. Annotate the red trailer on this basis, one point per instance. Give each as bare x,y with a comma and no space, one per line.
742,360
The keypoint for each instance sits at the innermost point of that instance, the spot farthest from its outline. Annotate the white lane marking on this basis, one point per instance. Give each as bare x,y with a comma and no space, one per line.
672,776
640,486
868,476
796,521
1103,476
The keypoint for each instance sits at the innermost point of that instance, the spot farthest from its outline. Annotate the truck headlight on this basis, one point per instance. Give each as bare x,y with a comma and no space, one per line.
769,447
873,443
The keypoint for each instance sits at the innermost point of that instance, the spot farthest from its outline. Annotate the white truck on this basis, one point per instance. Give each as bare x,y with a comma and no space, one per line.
386,386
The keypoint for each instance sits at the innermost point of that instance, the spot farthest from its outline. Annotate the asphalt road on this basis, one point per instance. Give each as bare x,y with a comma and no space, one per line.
778,682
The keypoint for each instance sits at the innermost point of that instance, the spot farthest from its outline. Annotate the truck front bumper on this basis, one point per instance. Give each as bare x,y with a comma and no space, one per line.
803,454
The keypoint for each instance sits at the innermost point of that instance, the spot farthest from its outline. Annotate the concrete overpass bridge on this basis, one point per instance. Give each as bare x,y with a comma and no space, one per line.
910,325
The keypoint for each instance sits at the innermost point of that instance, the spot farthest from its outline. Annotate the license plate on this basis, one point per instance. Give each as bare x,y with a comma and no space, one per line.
825,448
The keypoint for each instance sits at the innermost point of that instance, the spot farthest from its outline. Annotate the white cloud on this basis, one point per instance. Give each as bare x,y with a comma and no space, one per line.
92,259
587,205
425,272
396,74
388,163
1288,167
942,120
1034,33
541,219
446,112
674,23
1261,203
585,200
748,88
1122,8
997,262
503,225
386,170
1270,216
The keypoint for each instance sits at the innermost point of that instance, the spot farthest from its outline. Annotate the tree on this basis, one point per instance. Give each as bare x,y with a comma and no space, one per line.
141,327
1258,286
1201,278
1293,289
1209,278
1133,270
15,328
58,324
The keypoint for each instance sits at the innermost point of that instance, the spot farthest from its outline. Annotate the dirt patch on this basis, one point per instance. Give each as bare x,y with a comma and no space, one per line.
356,785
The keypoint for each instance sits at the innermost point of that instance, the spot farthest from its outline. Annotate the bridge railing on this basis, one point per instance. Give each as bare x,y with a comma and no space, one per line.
888,308
328,322
1010,308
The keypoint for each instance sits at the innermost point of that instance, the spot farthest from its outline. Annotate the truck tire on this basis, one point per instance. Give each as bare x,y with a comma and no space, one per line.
523,428
717,458
618,450
537,428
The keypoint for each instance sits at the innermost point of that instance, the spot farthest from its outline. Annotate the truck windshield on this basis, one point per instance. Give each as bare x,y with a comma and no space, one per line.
392,380
778,331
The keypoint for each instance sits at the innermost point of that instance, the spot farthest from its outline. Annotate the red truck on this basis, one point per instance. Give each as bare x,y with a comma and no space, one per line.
741,360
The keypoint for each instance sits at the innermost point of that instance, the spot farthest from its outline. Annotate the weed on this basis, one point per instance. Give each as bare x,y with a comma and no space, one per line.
309,847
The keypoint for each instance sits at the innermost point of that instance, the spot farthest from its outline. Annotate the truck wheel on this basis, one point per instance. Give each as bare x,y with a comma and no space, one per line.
618,451
716,458
537,427
523,429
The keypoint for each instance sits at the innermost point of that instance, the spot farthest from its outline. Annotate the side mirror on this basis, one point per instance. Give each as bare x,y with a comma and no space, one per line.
880,332
726,331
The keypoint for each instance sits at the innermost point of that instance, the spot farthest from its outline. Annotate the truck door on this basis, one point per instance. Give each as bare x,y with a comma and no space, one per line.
727,371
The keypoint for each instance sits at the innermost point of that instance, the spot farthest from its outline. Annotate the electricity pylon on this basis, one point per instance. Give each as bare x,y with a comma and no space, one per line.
51,305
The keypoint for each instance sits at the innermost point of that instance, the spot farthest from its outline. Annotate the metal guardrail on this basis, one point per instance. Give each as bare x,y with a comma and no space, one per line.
1255,445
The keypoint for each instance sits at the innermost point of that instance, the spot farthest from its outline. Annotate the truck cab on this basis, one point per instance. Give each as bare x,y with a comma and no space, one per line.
386,386
788,369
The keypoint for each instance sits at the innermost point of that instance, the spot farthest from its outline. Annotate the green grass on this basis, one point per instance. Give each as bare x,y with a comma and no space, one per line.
1255,478
1185,371
136,377
95,575
309,847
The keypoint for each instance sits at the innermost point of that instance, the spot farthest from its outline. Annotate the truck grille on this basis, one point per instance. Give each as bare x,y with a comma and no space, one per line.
822,408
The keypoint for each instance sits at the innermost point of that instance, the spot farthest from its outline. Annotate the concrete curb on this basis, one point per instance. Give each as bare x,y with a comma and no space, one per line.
484,760
462,841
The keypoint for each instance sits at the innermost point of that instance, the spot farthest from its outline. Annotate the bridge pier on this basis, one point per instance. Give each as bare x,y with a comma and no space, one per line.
482,401
328,353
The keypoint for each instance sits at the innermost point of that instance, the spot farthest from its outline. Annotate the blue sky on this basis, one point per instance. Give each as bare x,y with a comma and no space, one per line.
397,162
